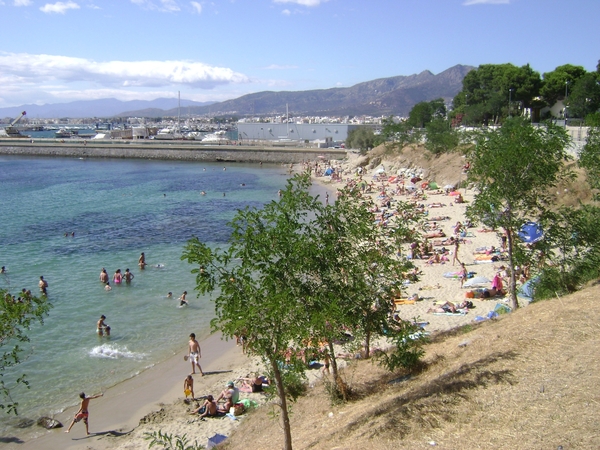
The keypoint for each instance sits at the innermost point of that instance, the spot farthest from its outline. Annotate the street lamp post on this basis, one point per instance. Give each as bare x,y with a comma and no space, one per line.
565,102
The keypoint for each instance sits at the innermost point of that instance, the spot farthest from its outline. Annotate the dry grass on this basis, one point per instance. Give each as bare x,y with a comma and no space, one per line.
529,381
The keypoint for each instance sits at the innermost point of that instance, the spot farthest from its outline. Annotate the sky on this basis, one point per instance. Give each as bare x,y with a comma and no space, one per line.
58,52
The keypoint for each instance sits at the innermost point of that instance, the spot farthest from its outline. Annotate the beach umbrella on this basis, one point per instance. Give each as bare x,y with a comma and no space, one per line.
411,187
531,232
477,281
329,171
454,193
449,186
380,170
415,179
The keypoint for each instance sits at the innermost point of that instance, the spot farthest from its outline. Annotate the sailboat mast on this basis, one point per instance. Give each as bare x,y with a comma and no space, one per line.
178,111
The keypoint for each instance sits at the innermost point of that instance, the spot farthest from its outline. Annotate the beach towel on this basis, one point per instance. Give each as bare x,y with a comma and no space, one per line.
457,313
404,301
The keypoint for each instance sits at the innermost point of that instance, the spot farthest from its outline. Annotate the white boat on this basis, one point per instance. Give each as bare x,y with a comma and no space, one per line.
216,137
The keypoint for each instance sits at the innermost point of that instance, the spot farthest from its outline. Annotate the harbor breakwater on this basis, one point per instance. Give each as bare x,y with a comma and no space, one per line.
169,151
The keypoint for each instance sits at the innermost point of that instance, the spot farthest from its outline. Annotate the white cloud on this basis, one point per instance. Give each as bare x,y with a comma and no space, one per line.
486,2
197,7
21,3
278,67
162,5
286,12
59,7
49,68
302,2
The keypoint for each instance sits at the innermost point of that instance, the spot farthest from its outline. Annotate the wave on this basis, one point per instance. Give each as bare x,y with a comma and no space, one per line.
112,351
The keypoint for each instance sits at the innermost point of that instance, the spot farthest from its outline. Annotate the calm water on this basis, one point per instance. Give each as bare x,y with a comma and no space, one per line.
117,209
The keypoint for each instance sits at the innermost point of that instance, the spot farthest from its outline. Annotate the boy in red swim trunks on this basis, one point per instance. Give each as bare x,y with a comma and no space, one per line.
83,412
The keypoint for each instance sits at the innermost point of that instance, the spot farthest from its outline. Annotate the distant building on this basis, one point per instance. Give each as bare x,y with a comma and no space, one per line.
336,133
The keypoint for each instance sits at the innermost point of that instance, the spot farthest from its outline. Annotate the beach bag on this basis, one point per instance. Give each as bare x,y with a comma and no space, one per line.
469,294
237,409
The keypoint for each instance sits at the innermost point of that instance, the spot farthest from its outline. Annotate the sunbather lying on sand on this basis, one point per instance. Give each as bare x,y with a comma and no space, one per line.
434,234
449,307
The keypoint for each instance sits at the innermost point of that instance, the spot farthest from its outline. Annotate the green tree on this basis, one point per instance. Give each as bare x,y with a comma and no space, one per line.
440,136
363,138
584,95
397,133
494,91
17,315
295,272
558,82
424,112
513,170
589,159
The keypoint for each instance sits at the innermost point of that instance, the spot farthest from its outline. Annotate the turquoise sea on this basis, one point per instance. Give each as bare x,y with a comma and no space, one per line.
116,210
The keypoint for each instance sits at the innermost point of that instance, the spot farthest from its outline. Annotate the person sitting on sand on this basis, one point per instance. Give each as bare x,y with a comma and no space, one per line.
208,408
231,395
254,384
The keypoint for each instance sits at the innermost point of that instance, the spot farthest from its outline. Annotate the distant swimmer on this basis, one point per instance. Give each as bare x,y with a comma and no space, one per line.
107,287
169,295
43,284
182,300
142,261
3,270
128,276
224,169
103,276
279,192
223,194
118,277
102,327
202,193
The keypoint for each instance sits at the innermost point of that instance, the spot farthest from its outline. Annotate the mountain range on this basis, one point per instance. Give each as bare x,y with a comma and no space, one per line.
384,96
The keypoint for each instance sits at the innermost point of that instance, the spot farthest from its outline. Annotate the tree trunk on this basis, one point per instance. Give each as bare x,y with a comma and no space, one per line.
341,385
367,343
512,288
285,418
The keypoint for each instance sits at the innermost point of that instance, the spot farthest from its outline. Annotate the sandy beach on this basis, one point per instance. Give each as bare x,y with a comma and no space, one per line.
154,399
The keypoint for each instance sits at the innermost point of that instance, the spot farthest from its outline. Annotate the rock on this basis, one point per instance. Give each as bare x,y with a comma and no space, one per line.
49,423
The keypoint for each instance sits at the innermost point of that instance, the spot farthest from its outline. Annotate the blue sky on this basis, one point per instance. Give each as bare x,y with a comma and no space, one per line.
55,52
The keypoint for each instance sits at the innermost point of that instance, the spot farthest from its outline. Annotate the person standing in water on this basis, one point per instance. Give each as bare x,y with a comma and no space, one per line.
43,284
128,276
142,261
102,327
103,276
82,413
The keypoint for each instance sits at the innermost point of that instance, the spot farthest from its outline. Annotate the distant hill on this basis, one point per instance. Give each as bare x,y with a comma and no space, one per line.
384,96
108,107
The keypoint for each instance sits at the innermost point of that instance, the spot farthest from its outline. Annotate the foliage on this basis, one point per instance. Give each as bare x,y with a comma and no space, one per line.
168,441
441,137
556,83
584,96
17,315
296,273
408,341
513,170
571,250
589,159
363,138
488,90
399,133
424,112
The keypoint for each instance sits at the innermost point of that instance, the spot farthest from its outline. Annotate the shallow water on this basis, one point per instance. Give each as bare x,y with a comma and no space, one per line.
117,209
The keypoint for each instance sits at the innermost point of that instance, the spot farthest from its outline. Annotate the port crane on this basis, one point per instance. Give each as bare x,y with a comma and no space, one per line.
11,131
